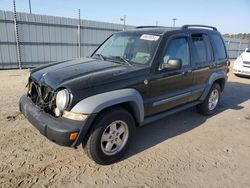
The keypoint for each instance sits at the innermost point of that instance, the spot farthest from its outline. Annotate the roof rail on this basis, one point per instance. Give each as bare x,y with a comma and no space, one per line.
206,26
149,26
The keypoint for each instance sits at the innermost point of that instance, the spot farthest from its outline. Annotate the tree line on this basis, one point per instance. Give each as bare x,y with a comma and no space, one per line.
245,36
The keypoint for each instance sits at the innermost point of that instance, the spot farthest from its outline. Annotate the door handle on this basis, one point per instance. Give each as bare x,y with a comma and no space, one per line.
212,66
186,72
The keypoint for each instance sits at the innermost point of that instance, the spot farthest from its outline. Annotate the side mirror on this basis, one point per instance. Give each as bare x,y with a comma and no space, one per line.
172,64
246,49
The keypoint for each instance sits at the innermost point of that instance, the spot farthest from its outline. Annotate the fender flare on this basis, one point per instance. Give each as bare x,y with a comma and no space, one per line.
213,77
96,103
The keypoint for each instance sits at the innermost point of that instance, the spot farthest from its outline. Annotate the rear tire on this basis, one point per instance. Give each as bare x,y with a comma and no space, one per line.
110,136
210,104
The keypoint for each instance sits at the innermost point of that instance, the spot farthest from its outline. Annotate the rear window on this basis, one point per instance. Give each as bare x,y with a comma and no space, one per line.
218,44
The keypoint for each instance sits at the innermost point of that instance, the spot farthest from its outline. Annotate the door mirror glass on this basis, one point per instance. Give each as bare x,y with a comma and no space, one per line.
172,64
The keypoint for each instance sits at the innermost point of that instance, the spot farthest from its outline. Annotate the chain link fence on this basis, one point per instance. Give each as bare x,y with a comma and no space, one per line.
236,46
29,40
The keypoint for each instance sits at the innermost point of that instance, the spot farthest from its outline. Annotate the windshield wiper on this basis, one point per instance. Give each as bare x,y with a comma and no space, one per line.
123,59
101,56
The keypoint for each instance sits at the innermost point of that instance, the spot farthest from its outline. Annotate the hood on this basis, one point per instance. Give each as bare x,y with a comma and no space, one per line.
80,73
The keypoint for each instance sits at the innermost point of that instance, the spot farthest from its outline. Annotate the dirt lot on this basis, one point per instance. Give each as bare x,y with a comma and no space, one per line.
184,150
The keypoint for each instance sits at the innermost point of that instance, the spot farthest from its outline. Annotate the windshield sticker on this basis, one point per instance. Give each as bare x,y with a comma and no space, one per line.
149,37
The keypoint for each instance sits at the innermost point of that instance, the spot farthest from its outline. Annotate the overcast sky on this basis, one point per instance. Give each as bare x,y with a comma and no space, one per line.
229,16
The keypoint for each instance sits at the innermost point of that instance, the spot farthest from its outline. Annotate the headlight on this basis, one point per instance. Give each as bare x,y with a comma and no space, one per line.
62,99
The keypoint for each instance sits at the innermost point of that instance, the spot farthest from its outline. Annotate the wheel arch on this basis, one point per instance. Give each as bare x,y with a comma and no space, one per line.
219,77
129,99
221,82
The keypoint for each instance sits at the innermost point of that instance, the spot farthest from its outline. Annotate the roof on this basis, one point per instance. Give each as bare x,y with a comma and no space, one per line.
160,30
153,30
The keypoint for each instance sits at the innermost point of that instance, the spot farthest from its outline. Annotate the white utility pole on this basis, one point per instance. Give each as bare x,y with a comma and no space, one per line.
123,19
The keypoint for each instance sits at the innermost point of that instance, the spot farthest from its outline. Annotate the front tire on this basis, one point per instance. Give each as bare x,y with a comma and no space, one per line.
210,104
111,134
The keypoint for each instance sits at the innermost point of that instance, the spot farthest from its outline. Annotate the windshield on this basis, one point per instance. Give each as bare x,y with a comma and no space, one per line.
129,47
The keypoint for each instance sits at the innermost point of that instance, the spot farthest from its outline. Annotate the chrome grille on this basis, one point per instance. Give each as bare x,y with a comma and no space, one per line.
246,63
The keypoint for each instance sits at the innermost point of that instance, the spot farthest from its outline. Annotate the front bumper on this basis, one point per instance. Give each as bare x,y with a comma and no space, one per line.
57,130
241,69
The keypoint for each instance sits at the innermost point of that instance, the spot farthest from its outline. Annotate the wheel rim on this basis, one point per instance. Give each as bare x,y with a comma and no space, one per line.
114,137
213,99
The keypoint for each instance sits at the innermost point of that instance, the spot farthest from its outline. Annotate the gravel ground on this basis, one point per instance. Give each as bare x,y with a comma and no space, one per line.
183,150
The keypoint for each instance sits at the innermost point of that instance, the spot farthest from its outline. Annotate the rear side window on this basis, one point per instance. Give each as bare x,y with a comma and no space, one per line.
219,46
201,49
208,48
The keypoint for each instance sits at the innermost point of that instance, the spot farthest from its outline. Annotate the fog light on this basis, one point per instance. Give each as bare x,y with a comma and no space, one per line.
73,136
74,116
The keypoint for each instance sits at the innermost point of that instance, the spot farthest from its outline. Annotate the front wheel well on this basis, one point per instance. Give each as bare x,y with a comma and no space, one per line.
129,106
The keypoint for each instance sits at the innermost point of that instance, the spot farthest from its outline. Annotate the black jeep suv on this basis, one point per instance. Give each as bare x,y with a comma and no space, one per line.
133,78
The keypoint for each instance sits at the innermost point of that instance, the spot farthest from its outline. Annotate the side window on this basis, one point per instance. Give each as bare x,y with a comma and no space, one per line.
200,49
219,46
208,48
178,48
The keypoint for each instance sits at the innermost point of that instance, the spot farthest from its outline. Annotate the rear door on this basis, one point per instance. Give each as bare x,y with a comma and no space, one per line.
203,62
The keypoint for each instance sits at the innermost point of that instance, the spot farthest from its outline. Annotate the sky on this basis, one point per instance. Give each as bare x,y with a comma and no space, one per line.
229,16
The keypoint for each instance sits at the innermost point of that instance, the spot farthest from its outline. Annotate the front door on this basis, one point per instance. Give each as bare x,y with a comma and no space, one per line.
171,88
